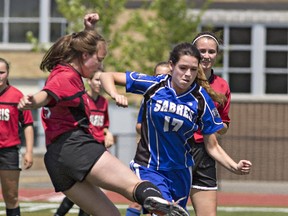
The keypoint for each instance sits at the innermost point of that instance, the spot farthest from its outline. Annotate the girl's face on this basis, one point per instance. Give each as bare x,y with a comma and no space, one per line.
95,83
3,75
162,70
184,73
208,51
94,61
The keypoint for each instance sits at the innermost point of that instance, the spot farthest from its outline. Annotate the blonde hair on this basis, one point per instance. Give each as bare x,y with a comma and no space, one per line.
201,79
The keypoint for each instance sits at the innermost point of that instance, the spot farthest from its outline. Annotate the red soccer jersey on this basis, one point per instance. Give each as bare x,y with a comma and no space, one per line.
11,118
99,117
221,86
68,110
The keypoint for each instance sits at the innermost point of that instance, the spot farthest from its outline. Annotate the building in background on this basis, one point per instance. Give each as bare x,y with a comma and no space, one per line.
254,32
254,62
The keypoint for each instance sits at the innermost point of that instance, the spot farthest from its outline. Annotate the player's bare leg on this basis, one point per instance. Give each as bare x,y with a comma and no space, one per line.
204,202
10,184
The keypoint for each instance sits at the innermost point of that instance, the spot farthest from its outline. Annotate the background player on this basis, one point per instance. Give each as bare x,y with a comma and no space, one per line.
11,122
204,184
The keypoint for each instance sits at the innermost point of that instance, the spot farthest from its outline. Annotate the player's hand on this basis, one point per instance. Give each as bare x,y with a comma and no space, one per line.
90,21
121,100
244,167
109,139
28,160
25,102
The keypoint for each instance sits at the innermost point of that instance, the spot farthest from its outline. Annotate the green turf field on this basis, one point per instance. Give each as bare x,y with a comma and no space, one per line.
47,209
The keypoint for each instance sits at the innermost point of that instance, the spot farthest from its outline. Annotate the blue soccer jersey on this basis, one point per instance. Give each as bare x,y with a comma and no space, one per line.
169,120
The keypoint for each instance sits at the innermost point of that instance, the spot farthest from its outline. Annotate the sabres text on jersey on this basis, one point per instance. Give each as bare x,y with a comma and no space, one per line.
179,109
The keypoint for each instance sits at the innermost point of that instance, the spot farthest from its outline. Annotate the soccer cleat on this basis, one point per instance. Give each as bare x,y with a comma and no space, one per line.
159,206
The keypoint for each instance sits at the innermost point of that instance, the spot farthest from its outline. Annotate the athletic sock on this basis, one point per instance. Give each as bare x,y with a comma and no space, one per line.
82,213
13,212
133,212
64,207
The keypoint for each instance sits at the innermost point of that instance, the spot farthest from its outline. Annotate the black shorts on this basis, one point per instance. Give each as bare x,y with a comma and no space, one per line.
10,158
204,170
71,157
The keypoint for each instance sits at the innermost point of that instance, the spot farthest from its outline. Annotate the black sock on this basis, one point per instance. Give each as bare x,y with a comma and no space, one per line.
64,207
13,212
82,213
144,190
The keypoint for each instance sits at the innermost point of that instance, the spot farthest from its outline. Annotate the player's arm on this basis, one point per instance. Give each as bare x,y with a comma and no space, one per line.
36,101
138,128
29,138
109,81
224,113
224,129
218,154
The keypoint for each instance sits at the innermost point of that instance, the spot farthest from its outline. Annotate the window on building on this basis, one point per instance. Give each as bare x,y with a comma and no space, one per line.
276,61
53,10
277,36
234,59
240,35
240,82
17,31
57,30
276,83
26,17
1,8
29,9
239,59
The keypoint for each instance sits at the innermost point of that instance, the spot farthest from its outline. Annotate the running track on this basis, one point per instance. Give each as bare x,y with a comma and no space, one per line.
224,198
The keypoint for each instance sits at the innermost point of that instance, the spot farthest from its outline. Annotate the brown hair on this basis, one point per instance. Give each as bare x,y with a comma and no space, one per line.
160,64
191,50
70,47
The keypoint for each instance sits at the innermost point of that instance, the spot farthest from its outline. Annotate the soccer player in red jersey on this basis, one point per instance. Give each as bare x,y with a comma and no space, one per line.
204,183
99,118
11,122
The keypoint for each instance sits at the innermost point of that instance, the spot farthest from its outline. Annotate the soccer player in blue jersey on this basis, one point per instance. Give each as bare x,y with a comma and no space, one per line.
134,209
174,108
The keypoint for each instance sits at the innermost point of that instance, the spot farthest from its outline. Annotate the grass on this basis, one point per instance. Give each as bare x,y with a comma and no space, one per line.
47,209
48,213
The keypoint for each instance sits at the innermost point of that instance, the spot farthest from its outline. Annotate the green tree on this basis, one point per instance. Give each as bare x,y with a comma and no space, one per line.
145,38
151,32
147,35
75,10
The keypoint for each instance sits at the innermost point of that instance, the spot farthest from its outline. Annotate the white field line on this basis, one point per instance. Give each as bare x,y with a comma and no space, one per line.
34,207
49,197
